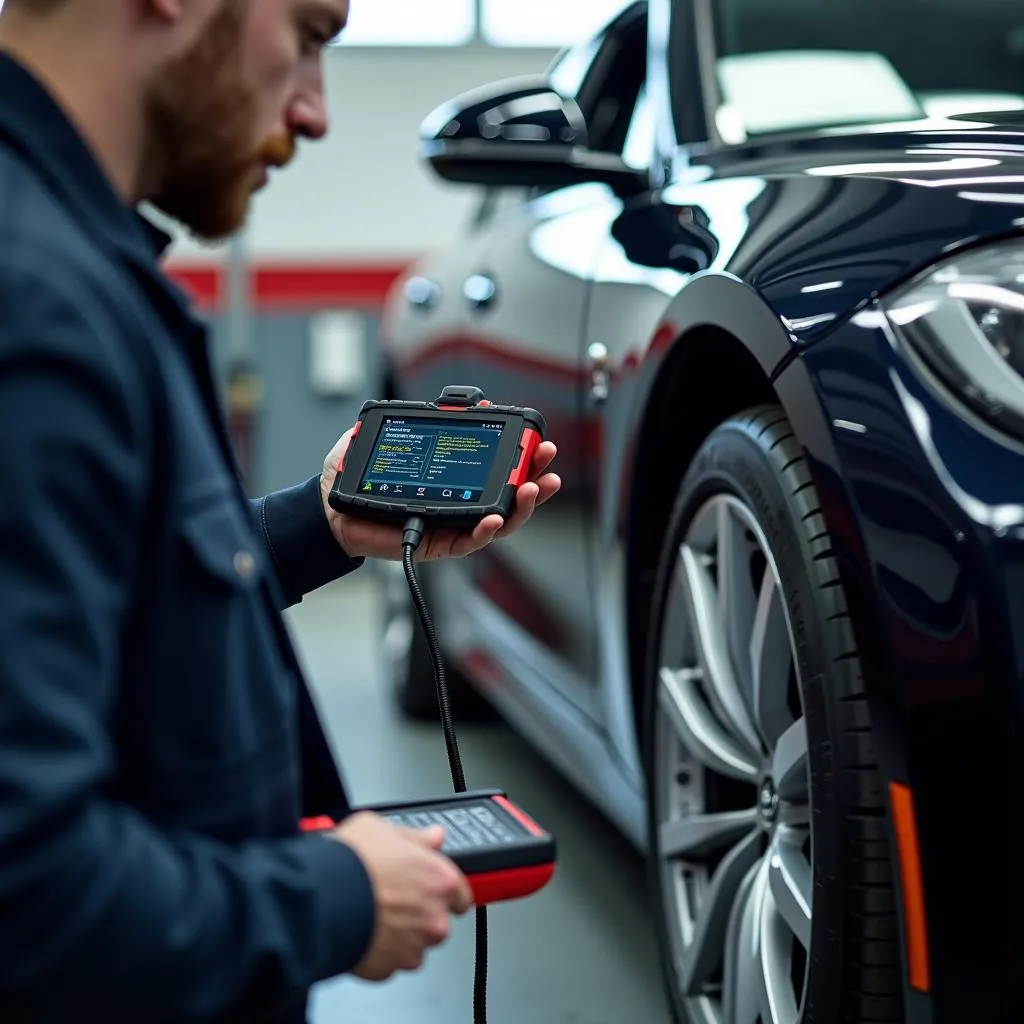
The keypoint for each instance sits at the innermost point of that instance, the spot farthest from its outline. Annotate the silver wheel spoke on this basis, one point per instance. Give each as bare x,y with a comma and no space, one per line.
705,953
742,984
789,763
698,729
738,883
771,657
712,645
789,875
776,948
700,835
795,814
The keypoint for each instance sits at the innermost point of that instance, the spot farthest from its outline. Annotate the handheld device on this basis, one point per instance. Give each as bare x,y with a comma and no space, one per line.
502,851
451,462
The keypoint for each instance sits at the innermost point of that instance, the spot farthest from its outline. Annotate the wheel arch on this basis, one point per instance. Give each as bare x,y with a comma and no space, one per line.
717,329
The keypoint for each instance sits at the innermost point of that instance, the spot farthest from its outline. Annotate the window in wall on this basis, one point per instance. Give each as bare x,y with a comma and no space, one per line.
545,22
410,23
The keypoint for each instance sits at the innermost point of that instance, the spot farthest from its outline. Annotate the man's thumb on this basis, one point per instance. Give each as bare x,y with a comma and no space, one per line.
432,837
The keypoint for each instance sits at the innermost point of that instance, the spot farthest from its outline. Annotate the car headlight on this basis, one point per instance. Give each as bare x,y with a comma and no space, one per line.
965,320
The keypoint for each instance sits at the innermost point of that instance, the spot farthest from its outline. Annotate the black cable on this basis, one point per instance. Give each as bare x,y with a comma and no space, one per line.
411,537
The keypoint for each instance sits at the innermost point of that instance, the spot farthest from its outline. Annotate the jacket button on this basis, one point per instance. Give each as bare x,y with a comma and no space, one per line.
244,563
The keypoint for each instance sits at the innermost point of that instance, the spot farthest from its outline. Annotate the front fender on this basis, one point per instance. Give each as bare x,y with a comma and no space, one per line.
722,302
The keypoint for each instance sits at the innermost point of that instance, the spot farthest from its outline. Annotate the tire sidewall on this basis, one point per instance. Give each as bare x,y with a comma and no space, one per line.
733,461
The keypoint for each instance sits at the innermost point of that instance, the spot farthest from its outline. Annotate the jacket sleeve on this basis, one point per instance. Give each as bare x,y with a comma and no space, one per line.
101,914
300,541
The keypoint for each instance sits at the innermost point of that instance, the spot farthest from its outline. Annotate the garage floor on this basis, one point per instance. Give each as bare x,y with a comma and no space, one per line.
579,952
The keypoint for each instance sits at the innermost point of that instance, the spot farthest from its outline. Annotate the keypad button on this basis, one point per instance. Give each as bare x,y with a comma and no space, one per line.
465,827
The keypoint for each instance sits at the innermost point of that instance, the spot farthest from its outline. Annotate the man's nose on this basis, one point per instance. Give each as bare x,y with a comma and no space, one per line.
307,115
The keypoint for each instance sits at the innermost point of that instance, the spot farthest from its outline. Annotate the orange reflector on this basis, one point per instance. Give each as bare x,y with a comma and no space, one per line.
909,852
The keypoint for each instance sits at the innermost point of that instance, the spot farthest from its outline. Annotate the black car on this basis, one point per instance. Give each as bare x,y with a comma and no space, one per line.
760,263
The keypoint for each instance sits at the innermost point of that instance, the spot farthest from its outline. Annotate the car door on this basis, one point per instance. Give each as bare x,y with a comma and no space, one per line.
526,302
421,336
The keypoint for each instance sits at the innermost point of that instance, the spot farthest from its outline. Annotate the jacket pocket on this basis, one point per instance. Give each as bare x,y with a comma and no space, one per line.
224,544
234,697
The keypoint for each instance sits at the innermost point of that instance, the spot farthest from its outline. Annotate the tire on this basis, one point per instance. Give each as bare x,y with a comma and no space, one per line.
749,822
408,665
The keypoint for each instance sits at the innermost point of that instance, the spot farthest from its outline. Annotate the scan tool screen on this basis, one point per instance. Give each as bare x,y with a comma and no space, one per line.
440,461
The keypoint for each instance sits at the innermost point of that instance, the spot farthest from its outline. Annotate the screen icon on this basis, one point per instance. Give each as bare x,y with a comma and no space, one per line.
368,486
383,487
446,494
466,495
421,491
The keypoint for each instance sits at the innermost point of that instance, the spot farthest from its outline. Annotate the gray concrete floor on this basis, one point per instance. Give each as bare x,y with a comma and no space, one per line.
579,952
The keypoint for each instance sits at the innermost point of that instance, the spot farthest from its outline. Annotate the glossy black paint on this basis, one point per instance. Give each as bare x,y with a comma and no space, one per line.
879,224
830,222
522,132
634,323
920,503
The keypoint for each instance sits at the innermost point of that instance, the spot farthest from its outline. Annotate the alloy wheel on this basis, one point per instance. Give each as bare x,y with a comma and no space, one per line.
731,778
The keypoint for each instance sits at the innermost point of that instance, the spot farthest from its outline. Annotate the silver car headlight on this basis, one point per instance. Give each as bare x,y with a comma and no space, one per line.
965,320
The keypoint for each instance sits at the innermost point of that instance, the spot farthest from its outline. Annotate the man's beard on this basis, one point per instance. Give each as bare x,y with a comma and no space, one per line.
202,122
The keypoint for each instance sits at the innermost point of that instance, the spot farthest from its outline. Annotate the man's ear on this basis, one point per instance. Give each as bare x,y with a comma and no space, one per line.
171,12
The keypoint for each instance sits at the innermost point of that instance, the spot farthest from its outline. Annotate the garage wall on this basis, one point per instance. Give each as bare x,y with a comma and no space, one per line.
331,233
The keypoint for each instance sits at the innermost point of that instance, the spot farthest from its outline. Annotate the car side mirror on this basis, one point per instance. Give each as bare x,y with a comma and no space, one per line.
519,132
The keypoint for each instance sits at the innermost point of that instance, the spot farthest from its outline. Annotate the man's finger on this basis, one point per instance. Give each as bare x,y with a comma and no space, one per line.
546,450
526,502
432,837
338,452
462,899
543,457
458,544
484,532
548,486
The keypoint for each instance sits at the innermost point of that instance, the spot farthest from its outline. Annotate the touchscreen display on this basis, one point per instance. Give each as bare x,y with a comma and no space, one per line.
438,461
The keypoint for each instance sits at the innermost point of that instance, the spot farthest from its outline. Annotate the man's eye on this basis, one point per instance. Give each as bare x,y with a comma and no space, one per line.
314,39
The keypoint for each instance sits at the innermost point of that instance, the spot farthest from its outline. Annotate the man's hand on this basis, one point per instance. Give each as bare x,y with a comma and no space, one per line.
360,538
415,890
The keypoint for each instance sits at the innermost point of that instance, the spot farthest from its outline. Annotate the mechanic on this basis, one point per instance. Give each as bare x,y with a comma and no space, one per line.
158,744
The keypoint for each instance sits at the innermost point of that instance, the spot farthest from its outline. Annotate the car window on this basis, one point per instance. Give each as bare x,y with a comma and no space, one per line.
613,90
569,69
791,64
640,138
606,74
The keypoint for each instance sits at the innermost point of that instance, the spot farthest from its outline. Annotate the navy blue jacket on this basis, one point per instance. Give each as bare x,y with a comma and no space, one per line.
157,742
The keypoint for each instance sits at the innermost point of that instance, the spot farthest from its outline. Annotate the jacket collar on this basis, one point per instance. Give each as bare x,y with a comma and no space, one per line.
32,123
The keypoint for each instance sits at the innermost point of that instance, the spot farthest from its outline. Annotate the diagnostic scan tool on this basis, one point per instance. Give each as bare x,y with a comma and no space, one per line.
504,854
451,462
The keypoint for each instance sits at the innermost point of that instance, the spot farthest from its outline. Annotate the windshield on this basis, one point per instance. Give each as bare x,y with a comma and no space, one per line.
791,64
